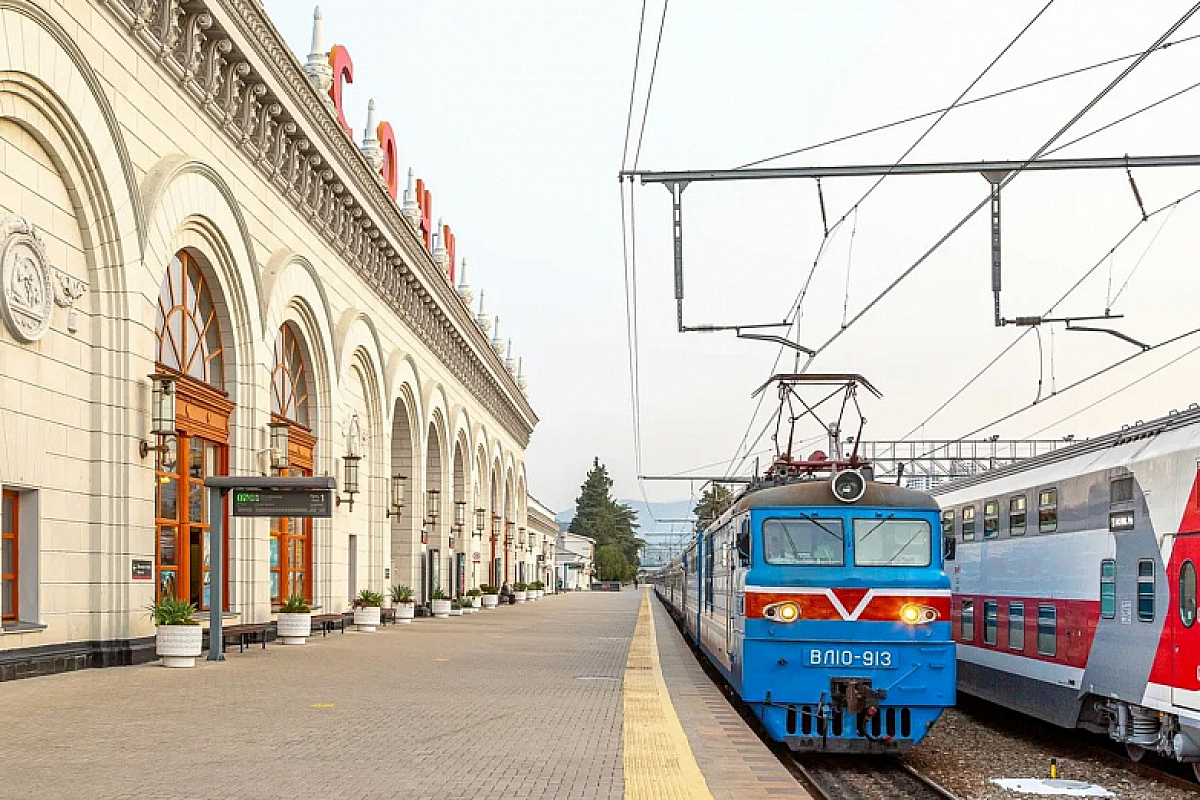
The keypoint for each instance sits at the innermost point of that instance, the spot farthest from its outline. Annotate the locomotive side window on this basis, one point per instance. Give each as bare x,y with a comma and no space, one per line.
991,519
1047,630
1016,626
1122,489
966,630
892,543
1016,515
1048,510
804,541
968,523
1187,594
1108,588
991,621
1145,590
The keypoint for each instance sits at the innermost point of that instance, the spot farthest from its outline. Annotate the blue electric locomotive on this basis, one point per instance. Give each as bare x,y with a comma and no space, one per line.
820,596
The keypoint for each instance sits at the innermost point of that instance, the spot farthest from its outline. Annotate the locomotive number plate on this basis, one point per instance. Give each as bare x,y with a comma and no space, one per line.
852,657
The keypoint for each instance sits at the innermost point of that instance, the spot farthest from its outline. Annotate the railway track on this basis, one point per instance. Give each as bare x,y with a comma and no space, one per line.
865,778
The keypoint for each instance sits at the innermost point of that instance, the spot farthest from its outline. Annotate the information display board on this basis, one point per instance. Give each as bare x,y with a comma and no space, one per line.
282,503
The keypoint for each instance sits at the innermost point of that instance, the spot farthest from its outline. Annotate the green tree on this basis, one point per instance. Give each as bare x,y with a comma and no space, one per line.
611,564
715,500
601,518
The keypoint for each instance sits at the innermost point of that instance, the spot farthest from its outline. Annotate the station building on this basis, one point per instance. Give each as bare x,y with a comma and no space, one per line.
203,273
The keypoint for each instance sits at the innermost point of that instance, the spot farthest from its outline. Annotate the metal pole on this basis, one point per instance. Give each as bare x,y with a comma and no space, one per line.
216,571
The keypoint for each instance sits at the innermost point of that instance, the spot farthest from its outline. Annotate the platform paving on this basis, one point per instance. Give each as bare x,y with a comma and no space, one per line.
522,702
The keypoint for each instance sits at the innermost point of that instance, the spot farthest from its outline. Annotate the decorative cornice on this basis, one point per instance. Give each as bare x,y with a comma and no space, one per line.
258,94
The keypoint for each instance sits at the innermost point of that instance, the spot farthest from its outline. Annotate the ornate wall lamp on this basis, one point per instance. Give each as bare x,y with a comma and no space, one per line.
162,412
350,464
279,446
460,520
480,521
495,527
508,532
433,509
397,504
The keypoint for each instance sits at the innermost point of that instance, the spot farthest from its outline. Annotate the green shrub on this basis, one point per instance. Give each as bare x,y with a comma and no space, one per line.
489,588
402,594
520,587
438,594
473,592
172,611
369,599
296,604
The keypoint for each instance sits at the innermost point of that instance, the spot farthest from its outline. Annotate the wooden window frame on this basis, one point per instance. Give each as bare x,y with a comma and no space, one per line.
13,577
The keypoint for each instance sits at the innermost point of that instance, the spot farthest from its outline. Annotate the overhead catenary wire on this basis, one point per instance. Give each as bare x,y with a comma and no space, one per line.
662,24
992,96
637,55
1009,178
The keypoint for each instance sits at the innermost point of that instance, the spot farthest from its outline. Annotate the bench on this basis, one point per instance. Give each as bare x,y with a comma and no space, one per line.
387,615
245,634
327,622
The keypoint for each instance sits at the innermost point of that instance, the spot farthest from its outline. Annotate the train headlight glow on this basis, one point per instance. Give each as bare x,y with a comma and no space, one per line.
782,612
915,614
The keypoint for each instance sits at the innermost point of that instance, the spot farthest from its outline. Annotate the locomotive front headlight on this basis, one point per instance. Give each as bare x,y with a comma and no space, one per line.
915,614
782,612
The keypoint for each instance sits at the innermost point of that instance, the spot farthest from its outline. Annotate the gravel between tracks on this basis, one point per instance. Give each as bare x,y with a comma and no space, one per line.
968,747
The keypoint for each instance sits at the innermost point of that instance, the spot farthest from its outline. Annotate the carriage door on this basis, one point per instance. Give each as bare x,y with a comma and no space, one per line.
740,562
1185,628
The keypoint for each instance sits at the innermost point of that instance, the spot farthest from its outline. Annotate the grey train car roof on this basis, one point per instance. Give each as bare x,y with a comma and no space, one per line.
1132,433
819,492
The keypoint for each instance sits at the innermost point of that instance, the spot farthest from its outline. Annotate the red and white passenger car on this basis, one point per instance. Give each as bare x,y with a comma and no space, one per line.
1075,585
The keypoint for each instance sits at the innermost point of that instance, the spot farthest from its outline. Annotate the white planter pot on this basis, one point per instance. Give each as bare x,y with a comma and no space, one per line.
520,596
294,628
541,593
476,601
532,594
440,608
470,610
490,600
405,613
179,645
366,618
456,612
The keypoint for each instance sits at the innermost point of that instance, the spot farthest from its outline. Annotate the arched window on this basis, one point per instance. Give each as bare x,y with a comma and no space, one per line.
291,557
289,381
189,333
189,343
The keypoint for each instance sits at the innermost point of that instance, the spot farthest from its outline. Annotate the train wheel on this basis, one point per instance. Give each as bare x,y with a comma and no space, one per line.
1135,752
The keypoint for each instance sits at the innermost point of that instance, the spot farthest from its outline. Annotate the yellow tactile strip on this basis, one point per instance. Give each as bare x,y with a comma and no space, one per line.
657,758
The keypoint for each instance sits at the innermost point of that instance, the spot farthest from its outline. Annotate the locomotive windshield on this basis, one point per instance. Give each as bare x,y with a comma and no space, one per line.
892,542
803,541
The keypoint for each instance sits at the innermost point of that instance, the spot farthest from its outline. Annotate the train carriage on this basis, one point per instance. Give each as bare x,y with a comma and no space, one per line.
1075,586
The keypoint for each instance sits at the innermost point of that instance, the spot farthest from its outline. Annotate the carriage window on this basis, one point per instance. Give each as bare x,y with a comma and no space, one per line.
968,523
948,523
1047,630
1145,590
966,630
892,543
991,621
1108,588
1016,515
991,519
803,541
1122,489
1016,626
1048,510
1187,594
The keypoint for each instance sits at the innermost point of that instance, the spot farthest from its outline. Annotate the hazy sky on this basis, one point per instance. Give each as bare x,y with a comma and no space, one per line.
515,113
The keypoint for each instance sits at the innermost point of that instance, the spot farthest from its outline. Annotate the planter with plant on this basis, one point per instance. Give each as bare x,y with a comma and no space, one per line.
366,610
475,599
456,608
520,592
489,594
402,599
295,620
177,637
439,604
531,590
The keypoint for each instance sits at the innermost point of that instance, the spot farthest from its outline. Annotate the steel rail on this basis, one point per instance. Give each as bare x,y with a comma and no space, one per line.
844,778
